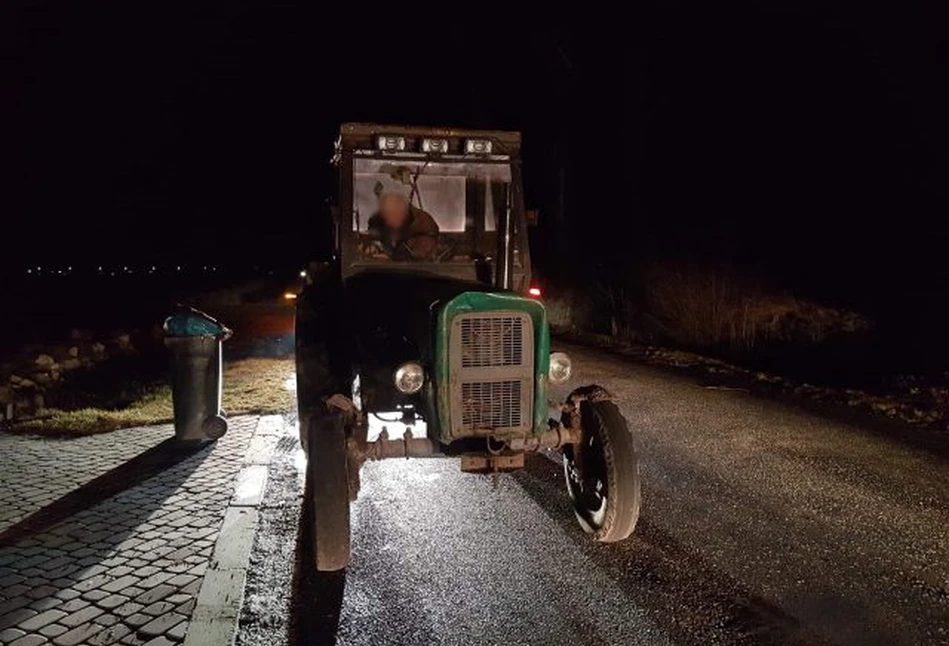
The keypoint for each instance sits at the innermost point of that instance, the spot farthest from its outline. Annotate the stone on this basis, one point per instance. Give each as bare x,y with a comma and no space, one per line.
35,623
120,583
158,608
160,625
16,617
45,361
43,378
21,382
74,604
78,635
178,632
157,593
98,351
80,617
110,635
46,603
71,364
52,630
138,619
112,601
73,352
127,609
160,641
6,395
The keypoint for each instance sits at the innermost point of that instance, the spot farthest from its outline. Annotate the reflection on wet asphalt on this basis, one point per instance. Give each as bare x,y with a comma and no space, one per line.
761,525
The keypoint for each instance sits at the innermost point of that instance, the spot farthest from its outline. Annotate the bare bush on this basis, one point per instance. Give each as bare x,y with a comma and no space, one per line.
702,307
569,310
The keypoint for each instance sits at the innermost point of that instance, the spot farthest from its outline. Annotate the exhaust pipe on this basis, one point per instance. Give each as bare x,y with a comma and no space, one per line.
503,280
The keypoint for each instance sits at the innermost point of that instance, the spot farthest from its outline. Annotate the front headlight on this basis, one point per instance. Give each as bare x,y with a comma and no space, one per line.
409,378
560,368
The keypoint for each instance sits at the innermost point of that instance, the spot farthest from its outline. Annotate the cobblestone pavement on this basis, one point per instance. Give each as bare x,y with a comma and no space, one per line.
36,471
121,558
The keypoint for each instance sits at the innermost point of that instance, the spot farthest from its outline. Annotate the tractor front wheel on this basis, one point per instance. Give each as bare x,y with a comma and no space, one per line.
602,473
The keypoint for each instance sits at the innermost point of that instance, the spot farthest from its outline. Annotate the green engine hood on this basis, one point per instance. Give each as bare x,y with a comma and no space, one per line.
470,302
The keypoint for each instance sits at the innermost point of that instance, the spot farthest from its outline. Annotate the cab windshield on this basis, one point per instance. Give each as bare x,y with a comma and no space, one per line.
417,210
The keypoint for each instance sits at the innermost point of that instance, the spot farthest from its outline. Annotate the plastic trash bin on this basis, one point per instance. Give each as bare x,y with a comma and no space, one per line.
195,339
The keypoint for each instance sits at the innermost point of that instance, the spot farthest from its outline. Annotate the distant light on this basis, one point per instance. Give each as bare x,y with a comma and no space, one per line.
100,268
303,274
69,268
178,268
534,292
289,296
29,271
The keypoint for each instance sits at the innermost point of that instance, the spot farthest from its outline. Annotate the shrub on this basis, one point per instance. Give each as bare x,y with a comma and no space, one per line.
702,307
692,306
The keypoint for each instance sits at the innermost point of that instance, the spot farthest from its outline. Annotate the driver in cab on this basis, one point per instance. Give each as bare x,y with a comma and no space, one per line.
403,231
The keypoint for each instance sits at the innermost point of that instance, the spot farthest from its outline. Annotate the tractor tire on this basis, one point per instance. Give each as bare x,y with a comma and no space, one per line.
602,473
328,487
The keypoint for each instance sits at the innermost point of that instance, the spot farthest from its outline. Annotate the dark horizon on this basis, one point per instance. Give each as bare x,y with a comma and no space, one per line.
804,147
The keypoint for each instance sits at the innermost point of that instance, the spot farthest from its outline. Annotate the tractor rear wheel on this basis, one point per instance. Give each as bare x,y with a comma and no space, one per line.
328,487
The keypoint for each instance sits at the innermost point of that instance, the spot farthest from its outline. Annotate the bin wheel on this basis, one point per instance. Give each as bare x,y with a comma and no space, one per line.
328,486
214,427
602,473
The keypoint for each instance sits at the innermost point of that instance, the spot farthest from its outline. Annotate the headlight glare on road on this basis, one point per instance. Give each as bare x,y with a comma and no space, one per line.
409,377
560,368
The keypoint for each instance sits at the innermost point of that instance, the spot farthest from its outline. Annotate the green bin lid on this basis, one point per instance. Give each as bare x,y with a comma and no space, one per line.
192,322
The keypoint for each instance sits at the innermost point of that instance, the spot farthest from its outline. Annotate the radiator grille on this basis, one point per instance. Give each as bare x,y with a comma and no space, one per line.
491,364
492,342
490,405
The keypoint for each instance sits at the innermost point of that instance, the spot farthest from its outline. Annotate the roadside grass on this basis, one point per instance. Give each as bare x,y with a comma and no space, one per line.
251,386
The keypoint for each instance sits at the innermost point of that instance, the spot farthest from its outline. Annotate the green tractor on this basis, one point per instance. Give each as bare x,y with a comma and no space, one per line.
426,316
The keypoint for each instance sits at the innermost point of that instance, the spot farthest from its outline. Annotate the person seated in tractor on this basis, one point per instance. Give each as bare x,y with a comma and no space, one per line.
404,231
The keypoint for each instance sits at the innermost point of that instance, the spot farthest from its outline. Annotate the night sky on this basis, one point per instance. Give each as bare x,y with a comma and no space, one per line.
806,145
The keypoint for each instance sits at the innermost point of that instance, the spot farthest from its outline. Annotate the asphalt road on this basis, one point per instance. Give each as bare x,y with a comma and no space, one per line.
761,524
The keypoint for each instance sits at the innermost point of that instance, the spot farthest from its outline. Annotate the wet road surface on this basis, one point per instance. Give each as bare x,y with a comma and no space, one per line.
761,524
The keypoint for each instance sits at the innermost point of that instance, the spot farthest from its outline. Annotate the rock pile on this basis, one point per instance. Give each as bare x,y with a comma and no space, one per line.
26,379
